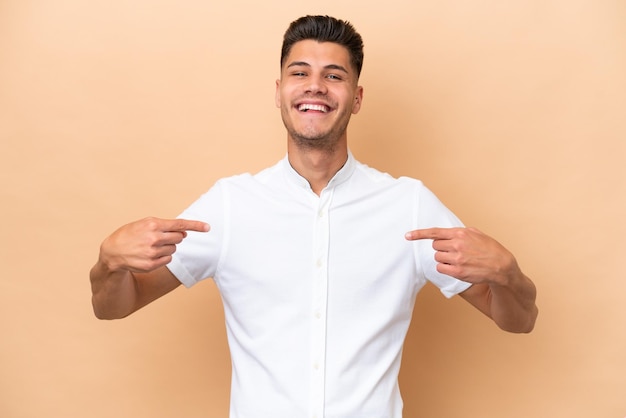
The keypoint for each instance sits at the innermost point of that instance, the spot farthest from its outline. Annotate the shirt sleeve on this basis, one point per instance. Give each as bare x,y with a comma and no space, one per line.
432,213
197,256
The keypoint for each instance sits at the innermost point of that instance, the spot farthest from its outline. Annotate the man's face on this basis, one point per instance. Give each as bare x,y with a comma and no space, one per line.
317,93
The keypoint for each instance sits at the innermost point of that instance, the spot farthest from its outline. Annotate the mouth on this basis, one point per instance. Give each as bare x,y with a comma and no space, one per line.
313,108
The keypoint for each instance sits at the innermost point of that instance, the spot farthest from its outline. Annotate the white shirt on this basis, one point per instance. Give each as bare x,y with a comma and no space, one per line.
318,291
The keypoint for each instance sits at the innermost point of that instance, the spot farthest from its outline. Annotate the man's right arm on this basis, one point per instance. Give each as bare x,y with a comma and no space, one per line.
131,269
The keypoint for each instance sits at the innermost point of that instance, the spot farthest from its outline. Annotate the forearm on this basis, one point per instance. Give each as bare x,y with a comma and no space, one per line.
512,304
114,293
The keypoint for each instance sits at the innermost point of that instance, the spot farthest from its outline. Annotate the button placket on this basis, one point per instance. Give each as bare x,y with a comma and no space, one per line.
318,314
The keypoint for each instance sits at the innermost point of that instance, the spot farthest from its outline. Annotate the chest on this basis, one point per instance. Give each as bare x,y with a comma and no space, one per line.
349,249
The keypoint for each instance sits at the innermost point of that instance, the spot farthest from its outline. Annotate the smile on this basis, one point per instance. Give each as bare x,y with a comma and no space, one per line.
305,107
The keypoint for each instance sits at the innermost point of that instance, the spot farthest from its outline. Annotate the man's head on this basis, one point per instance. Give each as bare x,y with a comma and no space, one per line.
324,29
318,90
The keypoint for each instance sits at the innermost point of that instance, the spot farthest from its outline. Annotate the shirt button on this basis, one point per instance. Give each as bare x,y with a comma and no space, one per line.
318,315
316,366
318,263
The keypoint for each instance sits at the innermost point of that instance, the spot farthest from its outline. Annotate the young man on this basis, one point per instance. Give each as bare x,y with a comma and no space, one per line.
319,258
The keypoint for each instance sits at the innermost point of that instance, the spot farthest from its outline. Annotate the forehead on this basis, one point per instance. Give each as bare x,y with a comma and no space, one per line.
318,53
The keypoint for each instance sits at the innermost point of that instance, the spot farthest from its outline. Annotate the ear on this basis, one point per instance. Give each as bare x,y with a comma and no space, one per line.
277,94
358,100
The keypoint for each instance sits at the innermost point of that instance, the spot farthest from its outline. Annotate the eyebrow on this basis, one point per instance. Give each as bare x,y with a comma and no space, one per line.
327,67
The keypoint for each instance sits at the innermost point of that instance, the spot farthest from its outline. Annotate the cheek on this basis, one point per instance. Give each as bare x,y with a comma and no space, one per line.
283,96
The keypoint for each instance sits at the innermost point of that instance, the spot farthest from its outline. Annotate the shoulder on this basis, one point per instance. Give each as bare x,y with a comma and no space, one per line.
252,188
385,179
243,179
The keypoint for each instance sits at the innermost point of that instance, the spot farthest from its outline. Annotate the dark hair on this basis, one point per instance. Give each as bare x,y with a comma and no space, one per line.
325,29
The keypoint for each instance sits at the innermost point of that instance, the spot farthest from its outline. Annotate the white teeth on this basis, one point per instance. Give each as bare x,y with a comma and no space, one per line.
305,106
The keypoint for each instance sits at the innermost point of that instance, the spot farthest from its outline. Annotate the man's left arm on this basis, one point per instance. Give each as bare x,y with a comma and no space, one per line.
499,288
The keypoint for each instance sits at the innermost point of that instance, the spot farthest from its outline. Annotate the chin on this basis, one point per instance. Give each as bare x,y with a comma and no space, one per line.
321,143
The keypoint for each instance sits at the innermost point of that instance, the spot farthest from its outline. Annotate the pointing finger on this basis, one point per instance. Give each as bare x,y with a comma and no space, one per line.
192,225
183,225
429,233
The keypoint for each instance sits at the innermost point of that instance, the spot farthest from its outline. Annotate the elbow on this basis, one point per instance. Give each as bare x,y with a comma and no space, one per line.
107,316
532,319
103,315
524,325
101,312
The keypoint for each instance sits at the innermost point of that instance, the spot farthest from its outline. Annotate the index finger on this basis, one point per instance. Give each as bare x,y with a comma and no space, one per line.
429,233
182,225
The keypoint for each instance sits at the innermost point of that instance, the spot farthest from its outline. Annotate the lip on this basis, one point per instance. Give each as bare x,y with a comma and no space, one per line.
327,106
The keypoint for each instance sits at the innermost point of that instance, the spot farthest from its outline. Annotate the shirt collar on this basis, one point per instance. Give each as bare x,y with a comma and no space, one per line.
344,173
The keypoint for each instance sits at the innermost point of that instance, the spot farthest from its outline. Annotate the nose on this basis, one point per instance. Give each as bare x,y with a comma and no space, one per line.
315,85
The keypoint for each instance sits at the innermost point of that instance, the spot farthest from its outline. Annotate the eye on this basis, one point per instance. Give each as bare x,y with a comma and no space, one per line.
333,77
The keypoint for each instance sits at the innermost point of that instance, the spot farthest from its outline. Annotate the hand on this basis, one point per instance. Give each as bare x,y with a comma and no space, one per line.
147,244
469,255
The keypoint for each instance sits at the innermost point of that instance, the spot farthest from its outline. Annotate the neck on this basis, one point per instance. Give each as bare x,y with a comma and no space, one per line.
317,166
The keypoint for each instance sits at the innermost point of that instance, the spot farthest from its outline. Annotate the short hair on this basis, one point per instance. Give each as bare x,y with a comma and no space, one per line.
325,29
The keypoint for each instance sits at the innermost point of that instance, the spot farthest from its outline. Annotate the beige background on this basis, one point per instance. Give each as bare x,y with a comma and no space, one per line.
513,112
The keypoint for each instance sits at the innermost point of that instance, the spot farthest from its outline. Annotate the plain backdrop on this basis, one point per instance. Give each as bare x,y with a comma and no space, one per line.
512,112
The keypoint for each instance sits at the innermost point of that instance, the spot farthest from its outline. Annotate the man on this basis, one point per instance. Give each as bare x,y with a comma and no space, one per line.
319,258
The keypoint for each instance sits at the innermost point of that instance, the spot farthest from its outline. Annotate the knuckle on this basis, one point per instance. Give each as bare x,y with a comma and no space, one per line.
151,223
459,259
150,253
